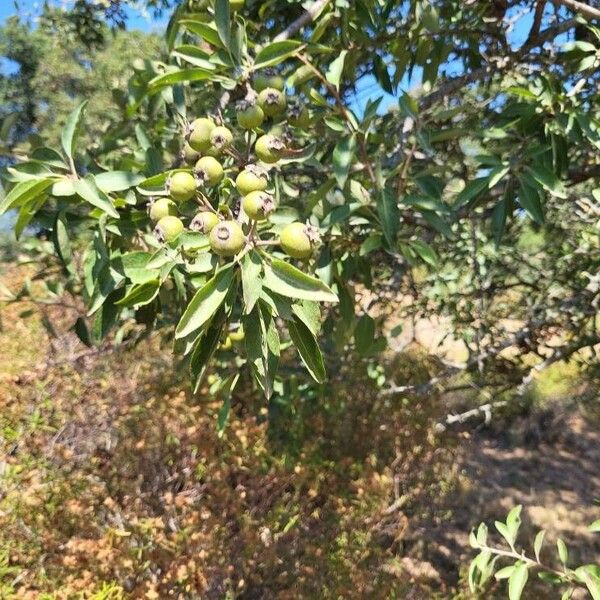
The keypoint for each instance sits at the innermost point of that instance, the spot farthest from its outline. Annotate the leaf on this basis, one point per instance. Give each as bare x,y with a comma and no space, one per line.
548,180
23,192
563,552
505,573
27,212
262,346
504,532
195,56
117,181
107,315
389,215
251,280
336,68
88,191
287,280
382,75
517,581
205,303
71,129
180,76
513,521
529,199
595,527
141,294
62,244
275,52
472,190
364,334
82,332
204,30
223,21
308,349
343,154
425,251
589,575
310,314
204,349
223,415
537,544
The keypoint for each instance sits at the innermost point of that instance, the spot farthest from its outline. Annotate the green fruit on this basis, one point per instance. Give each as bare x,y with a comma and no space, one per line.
237,336
269,148
253,178
181,186
272,101
204,222
189,155
236,5
220,139
168,228
298,240
268,78
209,170
249,115
162,207
258,205
298,116
199,131
227,238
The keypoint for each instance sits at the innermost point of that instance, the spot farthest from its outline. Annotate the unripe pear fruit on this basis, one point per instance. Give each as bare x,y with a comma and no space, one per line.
268,78
168,228
190,156
258,205
227,238
220,138
199,131
269,148
204,222
249,115
298,240
209,170
237,336
298,116
272,101
181,186
162,207
253,178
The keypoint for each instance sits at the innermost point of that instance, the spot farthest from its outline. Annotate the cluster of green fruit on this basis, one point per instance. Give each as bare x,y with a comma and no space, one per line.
209,147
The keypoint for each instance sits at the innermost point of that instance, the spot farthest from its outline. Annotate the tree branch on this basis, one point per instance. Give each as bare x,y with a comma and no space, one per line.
581,8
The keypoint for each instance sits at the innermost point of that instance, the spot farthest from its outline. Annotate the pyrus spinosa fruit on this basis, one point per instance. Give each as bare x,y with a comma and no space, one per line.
209,170
204,222
190,156
199,131
258,205
227,238
268,78
181,186
168,228
298,240
249,114
272,102
162,207
220,139
269,148
253,178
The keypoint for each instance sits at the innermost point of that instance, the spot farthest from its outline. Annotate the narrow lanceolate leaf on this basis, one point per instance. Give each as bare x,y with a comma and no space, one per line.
226,390
204,349
517,581
529,199
308,349
563,553
62,244
472,190
251,280
537,544
141,294
72,128
590,576
180,76
222,20
389,215
285,279
205,303
336,68
117,181
276,52
343,155
195,56
88,191
310,314
262,346
547,179
23,192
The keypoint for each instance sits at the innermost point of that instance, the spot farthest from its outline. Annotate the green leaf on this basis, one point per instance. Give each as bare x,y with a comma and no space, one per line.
343,155
588,574
537,544
107,315
205,303
195,56
71,129
88,191
563,552
204,349
23,192
513,521
595,527
504,532
308,349
27,212
505,573
223,21
141,294
389,215
226,390
472,190
262,346
517,581
276,52
287,280
548,180
180,76
251,280
336,68
425,251
204,30
529,199
117,181
310,314
62,244
364,334
82,332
